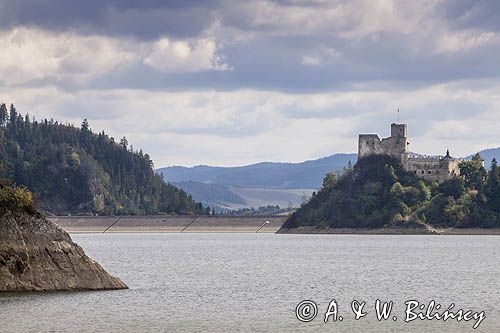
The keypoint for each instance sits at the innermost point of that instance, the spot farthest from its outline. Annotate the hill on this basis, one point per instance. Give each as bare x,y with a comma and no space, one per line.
261,184
270,175
75,171
488,155
379,193
213,195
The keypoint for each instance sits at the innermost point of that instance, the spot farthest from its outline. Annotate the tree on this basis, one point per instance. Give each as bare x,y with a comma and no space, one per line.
85,125
454,187
473,173
492,188
124,143
329,181
3,114
13,114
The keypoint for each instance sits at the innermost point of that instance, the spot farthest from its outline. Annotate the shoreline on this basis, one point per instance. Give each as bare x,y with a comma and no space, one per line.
390,231
230,224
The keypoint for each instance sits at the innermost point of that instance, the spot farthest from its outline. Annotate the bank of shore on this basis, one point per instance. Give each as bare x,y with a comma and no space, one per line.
391,231
228,224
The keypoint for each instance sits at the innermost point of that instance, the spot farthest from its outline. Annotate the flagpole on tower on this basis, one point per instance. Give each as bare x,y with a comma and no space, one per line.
398,115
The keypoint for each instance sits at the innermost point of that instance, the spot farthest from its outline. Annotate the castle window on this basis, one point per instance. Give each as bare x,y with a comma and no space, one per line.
423,171
367,142
429,172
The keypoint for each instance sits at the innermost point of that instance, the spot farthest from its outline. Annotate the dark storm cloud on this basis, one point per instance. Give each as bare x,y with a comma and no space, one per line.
286,45
274,63
141,19
478,14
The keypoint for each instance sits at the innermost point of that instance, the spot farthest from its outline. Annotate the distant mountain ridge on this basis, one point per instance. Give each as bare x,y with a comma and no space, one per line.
488,155
270,175
266,176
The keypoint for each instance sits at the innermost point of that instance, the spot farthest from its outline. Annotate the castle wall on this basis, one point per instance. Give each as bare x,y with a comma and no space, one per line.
433,169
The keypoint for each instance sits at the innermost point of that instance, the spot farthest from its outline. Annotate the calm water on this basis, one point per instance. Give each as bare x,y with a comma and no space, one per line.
253,282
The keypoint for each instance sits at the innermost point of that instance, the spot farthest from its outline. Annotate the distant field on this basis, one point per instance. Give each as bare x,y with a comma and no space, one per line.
256,197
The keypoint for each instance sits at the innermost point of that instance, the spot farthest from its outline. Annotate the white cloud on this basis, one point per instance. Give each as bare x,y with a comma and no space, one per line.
450,42
311,61
185,56
324,56
30,54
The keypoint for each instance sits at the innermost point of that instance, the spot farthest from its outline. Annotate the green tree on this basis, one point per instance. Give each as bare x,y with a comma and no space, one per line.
454,187
329,181
492,189
124,143
13,114
473,173
3,114
85,125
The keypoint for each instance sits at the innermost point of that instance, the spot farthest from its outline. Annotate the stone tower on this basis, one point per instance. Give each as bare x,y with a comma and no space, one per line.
399,135
396,145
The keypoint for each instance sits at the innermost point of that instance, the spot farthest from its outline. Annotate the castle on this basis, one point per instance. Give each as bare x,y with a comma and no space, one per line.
429,168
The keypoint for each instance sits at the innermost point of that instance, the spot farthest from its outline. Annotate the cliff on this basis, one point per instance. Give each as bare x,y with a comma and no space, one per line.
37,255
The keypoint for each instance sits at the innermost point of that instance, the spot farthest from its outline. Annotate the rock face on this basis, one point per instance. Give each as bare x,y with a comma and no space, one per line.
37,255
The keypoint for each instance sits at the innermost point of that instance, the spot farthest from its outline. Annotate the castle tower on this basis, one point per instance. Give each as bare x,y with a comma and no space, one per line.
399,142
396,145
399,131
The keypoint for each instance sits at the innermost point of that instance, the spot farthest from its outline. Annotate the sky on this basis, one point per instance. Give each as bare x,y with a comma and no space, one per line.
238,82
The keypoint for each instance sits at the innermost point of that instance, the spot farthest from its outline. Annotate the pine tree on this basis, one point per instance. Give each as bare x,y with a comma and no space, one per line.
492,189
13,114
3,114
85,125
124,143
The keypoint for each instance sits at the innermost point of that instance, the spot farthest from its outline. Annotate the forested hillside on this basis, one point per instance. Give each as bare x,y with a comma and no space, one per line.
377,192
73,170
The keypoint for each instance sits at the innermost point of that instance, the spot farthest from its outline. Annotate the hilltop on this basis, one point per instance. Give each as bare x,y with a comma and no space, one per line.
378,193
73,170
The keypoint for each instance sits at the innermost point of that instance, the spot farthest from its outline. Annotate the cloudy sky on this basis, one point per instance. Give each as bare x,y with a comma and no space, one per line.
236,82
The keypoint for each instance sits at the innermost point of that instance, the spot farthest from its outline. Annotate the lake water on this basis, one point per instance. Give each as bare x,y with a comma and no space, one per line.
253,282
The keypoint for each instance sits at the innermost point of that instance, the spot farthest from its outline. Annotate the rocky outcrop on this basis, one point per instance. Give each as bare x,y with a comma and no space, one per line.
37,255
